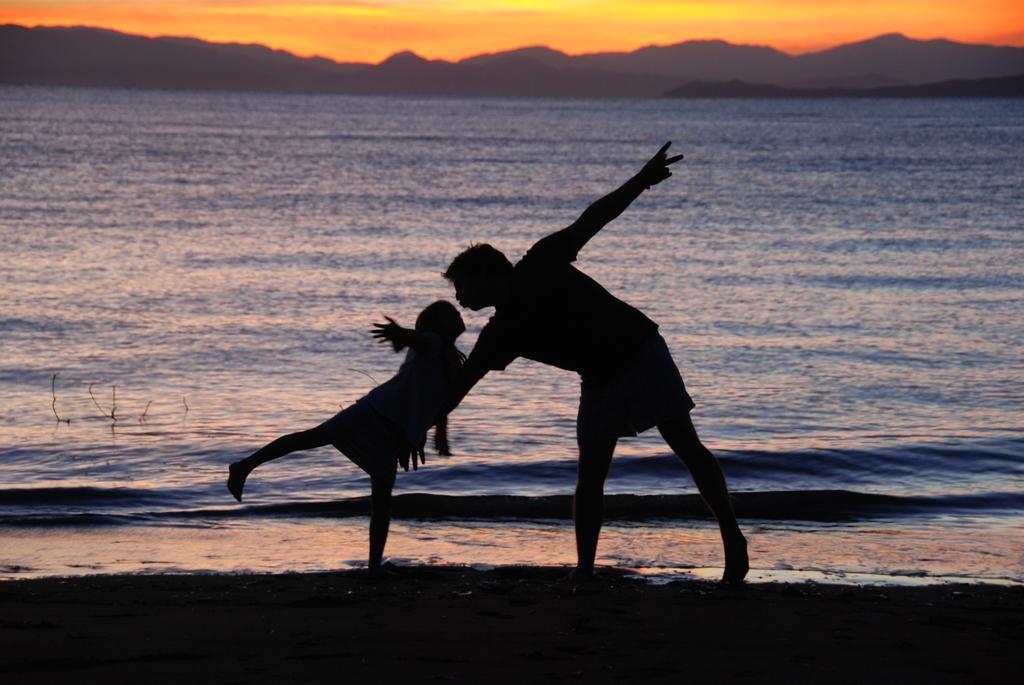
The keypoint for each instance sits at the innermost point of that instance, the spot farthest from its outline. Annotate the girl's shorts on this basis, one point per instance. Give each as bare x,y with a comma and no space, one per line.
367,438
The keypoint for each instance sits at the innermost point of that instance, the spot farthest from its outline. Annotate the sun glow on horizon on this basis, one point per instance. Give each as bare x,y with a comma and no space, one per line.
371,30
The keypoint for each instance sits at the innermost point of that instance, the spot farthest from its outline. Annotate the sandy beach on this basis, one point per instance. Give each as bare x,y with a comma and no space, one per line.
510,624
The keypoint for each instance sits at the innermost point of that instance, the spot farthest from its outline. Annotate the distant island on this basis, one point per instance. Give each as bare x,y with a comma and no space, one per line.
1007,86
890,65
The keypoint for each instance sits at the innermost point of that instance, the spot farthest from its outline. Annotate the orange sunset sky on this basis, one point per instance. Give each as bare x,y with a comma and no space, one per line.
370,30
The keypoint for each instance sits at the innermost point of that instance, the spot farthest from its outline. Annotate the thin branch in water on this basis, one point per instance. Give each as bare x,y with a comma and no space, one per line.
111,414
53,405
142,416
94,400
113,402
185,402
367,375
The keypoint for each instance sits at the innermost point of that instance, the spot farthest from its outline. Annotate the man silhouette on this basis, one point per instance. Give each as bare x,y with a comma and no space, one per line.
548,311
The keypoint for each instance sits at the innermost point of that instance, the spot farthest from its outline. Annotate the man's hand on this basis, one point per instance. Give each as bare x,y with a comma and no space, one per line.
390,332
656,170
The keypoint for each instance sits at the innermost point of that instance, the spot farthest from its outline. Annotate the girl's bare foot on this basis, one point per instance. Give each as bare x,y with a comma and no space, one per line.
385,572
237,473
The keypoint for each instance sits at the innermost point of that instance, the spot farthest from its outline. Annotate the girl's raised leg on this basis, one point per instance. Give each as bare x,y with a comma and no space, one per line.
286,444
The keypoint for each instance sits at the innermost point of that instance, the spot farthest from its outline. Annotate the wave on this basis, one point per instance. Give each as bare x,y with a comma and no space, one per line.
71,496
915,468
819,505
815,506
978,477
908,463
930,468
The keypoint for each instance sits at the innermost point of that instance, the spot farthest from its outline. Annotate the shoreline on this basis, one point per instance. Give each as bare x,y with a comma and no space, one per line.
653,576
502,625
878,553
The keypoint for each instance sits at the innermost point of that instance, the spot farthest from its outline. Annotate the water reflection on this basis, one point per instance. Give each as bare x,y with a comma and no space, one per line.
928,553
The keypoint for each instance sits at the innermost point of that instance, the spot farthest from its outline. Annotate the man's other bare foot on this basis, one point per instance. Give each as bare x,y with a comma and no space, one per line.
383,572
736,561
237,473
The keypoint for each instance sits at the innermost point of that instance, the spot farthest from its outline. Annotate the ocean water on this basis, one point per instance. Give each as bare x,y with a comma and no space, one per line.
840,282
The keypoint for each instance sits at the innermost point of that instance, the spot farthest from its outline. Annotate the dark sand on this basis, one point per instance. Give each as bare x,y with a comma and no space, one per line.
508,625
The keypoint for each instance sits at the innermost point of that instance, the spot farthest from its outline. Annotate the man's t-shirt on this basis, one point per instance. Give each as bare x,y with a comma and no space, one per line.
558,315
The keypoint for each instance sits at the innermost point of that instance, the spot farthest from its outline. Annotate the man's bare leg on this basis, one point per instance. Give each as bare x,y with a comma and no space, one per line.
682,437
293,442
588,503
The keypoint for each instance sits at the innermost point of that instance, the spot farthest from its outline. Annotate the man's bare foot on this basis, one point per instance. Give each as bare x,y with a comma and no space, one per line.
736,561
579,575
236,479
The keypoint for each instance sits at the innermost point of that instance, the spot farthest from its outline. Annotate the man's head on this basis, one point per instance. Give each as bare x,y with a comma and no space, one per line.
480,276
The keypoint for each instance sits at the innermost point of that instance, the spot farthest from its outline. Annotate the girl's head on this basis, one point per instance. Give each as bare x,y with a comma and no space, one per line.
441,318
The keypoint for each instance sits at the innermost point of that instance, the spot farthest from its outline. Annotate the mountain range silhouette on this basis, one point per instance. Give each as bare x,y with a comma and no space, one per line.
84,56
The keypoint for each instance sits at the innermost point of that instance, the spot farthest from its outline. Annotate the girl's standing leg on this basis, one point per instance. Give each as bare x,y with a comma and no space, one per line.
380,518
293,442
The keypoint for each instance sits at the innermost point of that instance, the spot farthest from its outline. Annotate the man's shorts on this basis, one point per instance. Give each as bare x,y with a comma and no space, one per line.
647,391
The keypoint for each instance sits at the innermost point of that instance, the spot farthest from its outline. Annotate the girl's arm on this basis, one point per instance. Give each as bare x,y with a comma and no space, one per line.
380,520
399,337
441,437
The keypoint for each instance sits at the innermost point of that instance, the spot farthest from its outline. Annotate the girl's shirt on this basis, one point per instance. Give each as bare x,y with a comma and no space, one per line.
413,398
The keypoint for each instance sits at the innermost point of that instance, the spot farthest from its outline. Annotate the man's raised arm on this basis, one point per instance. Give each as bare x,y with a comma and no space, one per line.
597,215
